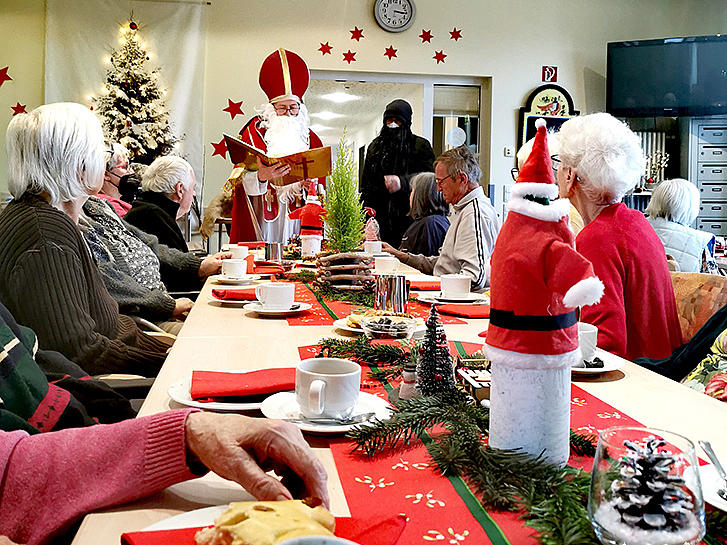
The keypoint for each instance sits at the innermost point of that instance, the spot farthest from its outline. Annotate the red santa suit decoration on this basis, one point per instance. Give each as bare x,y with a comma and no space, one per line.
283,76
311,217
537,281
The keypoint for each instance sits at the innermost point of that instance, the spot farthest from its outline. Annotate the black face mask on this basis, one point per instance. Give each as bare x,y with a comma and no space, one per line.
129,186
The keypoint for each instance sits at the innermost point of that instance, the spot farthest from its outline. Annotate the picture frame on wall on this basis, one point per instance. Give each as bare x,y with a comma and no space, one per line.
550,102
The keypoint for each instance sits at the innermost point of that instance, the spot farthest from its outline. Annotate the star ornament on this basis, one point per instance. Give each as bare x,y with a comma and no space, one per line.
220,148
325,48
233,108
426,36
439,56
18,109
356,33
349,56
4,75
455,34
390,52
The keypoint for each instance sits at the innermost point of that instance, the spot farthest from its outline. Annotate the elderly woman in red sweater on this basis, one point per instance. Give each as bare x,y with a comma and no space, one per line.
601,160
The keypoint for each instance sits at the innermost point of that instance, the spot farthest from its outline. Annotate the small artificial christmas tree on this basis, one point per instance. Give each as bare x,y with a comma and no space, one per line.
435,374
132,106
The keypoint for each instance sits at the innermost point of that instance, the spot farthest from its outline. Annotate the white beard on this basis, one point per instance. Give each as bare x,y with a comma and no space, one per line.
285,135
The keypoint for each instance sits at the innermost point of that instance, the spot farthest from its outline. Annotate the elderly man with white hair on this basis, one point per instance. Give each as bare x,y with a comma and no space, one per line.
167,192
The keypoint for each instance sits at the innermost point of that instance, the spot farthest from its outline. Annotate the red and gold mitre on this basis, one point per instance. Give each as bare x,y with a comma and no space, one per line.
284,76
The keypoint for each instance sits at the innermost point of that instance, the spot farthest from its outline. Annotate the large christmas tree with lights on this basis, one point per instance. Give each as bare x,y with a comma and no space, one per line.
131,105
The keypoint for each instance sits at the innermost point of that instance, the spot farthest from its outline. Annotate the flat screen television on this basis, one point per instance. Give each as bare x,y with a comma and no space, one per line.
667,77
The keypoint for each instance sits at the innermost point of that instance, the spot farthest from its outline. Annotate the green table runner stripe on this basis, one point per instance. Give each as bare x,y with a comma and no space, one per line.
460,349
322,302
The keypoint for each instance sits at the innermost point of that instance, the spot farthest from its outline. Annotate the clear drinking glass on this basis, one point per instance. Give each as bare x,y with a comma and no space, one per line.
645,488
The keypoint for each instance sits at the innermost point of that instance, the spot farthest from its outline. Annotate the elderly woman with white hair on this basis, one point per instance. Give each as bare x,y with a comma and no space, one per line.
673,207
600,160
48,278
167,192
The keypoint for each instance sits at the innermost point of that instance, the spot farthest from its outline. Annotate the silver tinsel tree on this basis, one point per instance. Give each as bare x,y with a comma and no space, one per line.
131,105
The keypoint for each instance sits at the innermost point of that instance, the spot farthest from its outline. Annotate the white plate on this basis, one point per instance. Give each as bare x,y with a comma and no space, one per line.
237,303
610,363
179,392
710,483
472,298
255,306
283,405
225,280
192,519
343,324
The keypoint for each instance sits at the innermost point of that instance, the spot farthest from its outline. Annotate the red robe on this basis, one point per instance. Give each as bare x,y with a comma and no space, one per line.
242,228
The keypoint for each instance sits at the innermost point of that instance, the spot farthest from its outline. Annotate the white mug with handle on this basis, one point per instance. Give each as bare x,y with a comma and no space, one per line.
327,387
276,295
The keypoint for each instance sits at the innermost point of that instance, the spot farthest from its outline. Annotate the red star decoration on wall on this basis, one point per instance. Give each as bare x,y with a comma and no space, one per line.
426,36
4,75
439,56
233,108
356,33
220,148
390,52
455,34
325,49
18,109
349,56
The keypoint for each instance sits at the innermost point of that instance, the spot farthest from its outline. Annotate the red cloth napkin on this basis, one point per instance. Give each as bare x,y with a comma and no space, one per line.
468,311
256,244
426,285
235,295
266,267
215,384
182,536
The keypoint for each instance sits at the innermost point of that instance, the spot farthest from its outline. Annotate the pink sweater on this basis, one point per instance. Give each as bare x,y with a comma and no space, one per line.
49,480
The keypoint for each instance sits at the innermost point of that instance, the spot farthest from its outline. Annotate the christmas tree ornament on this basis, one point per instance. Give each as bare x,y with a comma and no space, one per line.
407,389
537,281
435,370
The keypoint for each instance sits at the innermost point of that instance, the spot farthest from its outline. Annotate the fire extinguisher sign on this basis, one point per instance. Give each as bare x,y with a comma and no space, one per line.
550,74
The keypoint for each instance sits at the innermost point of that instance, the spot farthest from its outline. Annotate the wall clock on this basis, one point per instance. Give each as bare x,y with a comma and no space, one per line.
394,15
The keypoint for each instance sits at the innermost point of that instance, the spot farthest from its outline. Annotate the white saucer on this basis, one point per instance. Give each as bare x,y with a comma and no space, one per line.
343,325
610,363
711,482
226,280
472,298
179,392
283,405
255,306
237,303
191,519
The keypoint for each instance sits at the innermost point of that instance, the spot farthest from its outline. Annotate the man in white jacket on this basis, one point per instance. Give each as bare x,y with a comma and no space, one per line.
474,224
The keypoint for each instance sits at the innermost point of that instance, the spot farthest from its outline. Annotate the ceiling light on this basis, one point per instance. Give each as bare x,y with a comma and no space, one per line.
326,115
339,97
319,128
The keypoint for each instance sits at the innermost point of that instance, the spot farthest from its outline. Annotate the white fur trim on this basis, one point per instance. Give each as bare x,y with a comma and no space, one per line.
540,122
546,212
586,292
519,360
535,189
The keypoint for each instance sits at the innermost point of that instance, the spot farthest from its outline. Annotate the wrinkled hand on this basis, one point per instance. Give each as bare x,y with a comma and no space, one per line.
182,306
401,256
5,541
212,263
392,182
242,449
278,170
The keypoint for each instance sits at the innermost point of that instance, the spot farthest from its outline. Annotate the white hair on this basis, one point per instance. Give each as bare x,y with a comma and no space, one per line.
675,200
605,155
165,173
118,154
284,134
524,152
56,149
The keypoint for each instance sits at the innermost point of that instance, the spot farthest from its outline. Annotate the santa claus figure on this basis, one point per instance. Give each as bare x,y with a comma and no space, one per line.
311,225
538,280
260,208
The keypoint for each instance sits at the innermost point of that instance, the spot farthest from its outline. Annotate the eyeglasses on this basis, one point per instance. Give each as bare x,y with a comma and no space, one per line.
293,109
440,180
554,159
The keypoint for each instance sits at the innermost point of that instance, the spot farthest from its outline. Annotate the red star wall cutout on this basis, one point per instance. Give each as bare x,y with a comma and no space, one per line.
4,75
349,56
325,49
439,56
220,148
455,34
356,33
426,36
233,108
390,52
18,109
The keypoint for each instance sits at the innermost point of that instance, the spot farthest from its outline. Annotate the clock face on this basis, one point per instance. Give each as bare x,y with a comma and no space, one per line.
394,15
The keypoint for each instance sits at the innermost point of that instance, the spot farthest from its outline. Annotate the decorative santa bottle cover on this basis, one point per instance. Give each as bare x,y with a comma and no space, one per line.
537,281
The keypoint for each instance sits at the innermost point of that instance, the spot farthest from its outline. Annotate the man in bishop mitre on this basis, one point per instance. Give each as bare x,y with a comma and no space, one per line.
282,127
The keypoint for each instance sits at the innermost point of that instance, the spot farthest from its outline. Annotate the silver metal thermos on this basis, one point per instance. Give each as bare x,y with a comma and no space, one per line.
391,293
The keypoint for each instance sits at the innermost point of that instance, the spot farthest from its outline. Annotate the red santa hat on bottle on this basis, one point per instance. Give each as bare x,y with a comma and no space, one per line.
536,186
284,76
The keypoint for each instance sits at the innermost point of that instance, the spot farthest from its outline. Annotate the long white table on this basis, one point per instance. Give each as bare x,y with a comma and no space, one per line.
225,338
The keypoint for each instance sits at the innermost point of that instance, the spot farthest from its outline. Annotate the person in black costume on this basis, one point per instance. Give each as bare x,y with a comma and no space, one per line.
391,160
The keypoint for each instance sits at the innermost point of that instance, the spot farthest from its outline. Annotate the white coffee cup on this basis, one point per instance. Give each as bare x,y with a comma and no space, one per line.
587,338
455,286
239,252
234,268
385,264
317,540
276,295
372,246
310,245
327,387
